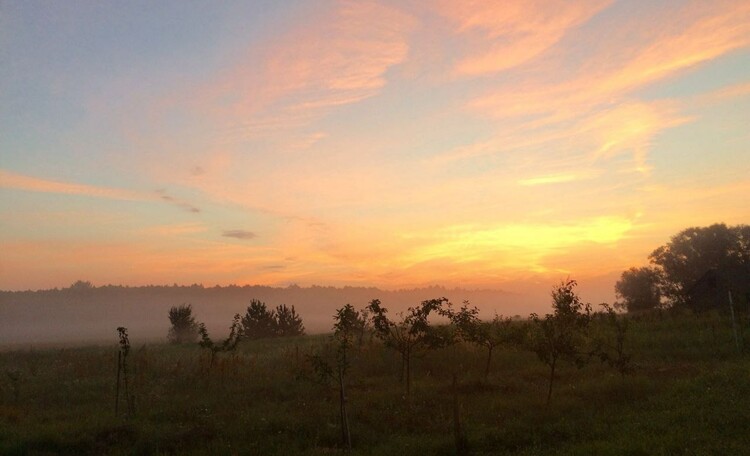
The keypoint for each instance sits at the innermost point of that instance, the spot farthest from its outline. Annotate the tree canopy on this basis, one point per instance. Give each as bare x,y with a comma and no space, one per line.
639,289
683,261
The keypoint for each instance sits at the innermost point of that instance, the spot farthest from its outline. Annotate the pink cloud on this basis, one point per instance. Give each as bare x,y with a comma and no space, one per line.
340,57
502,35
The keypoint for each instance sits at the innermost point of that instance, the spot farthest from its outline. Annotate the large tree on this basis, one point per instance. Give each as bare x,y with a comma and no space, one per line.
639,289
694,251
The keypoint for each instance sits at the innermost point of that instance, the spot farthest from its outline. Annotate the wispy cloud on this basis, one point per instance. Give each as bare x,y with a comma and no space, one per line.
552,179
16,181
339,58
239,234
503,35
688,37
176,201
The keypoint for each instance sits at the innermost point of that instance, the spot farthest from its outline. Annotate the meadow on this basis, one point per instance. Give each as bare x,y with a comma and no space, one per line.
688,392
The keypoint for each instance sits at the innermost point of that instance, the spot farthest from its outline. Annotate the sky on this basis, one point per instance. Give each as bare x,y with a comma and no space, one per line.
478,144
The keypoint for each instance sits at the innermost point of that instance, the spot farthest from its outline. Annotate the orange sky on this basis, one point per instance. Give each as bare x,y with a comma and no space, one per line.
476,144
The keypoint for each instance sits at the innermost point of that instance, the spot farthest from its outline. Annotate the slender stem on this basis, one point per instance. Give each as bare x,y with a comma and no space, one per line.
117,388
551,379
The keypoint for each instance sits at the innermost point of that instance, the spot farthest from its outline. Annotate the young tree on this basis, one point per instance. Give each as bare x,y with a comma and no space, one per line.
184,328
487,334
611,340
288,322
639,289
228,345
345,328
258,322
410,334
562,334
122,371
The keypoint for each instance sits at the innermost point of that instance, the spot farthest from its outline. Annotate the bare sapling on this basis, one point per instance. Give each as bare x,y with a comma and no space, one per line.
122,373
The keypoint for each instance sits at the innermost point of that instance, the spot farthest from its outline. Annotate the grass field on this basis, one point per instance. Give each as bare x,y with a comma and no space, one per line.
689,393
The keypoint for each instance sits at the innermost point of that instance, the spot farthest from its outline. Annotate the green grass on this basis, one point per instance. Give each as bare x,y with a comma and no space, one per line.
689,394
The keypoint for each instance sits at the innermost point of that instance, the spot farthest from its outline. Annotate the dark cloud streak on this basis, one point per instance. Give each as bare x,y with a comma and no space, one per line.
177,202
239,234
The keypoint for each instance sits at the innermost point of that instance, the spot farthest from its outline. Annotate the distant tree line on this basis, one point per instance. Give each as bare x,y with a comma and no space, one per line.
696,268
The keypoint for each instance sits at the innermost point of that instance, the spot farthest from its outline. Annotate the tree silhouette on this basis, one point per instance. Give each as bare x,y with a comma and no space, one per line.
227,345
288,322
639,289
258,322
562,334
410,334
184,328
487,334
694,251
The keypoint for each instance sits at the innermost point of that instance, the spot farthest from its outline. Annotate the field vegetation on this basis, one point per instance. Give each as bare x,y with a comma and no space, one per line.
670,383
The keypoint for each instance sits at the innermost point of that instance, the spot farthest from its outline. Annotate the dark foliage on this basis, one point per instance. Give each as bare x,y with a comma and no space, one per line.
639,289
694,251
184,328
258,322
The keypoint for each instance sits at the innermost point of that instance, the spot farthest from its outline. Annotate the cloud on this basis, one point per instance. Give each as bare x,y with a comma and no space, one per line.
552,179
340,57
177,202
502,35
239,234
15,181
687,38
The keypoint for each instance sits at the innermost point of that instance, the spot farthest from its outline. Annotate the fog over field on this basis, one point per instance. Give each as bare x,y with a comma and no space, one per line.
82,314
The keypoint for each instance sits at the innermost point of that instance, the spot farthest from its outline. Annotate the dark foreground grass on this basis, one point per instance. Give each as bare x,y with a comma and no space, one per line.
689,394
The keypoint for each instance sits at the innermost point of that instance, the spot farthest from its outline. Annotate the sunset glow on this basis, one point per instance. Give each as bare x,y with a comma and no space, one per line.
477,144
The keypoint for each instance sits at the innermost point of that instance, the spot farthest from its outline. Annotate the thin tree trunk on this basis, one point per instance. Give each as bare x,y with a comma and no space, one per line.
117,388
125,383
457,433
551,379
408,375
489,360
345,433
734,323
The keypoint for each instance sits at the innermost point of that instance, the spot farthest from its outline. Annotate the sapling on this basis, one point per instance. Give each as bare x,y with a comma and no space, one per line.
410,334
613,351
562,334
228,345
487,334
346,325
122,372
